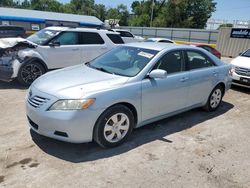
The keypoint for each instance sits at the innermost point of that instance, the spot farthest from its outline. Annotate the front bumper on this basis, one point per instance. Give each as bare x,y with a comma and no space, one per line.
8,68
240,80
74,126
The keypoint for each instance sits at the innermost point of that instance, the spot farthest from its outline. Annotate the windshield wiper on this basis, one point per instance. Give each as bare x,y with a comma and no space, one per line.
103,70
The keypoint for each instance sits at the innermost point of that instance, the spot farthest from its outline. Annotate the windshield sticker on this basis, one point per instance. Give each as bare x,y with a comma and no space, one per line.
145,54
49,33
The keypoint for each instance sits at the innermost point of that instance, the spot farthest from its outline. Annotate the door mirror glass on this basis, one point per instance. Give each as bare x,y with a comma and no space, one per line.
54,44
158,73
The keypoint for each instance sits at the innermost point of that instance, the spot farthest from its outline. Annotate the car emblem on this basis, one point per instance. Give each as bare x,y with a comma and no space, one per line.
30,93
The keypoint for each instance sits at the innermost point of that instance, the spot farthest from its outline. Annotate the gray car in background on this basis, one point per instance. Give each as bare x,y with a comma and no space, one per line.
127,87
12,31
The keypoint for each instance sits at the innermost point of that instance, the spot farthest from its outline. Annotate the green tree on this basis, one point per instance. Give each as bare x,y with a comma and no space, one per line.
173,13
120,12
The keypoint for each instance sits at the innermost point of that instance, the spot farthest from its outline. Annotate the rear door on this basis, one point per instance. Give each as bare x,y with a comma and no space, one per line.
92,45
203,74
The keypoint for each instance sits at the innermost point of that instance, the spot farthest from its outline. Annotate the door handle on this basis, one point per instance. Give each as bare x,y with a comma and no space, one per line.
75,49
184,79
104,47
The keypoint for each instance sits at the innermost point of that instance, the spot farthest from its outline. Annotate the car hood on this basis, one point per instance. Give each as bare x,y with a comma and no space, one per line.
8,45
241,61
77,81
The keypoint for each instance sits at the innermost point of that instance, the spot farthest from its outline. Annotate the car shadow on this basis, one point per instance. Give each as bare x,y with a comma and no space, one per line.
159,130
240,89
12,85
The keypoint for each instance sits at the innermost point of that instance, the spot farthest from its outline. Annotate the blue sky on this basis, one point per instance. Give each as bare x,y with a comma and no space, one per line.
226,9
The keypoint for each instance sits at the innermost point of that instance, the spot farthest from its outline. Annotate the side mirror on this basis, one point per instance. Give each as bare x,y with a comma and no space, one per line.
54,44
158,73
240,53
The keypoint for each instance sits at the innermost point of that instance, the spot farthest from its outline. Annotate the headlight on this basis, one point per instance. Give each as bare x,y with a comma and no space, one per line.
231,70
78,104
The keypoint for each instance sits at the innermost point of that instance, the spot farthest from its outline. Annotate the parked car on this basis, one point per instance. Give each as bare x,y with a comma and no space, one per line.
209,49
125,88
12,31
163,40
241,69
127,36
52,48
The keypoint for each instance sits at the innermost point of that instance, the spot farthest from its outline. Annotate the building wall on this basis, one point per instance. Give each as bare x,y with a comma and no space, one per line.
231,47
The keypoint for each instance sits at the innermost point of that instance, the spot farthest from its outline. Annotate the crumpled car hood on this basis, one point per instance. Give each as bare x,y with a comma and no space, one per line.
77,81
14,44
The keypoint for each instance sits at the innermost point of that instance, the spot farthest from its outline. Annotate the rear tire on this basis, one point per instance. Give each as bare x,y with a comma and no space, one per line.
214,99
114,126
30,71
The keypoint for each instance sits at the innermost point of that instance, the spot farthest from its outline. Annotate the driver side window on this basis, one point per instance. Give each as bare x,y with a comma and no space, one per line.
68,38
170,62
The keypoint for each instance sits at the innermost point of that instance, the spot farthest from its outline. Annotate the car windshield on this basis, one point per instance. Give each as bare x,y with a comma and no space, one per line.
246,53
42,36
123,60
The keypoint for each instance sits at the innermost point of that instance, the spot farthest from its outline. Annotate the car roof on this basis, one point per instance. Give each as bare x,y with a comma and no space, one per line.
157,39
58,28
159,46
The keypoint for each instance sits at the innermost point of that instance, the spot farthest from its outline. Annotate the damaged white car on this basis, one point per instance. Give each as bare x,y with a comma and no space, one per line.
52,48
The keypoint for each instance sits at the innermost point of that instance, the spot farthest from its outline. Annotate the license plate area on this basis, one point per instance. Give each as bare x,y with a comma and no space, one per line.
245,80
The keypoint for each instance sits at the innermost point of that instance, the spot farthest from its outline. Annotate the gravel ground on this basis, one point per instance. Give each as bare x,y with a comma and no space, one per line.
193,149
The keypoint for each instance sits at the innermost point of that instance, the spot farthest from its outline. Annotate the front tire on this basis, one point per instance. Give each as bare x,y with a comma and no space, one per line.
114,126
214,99
30,71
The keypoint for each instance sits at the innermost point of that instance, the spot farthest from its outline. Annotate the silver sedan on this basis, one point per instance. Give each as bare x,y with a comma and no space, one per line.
128,87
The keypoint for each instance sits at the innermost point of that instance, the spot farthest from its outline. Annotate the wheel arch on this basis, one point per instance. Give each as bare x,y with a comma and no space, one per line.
223,85
30,59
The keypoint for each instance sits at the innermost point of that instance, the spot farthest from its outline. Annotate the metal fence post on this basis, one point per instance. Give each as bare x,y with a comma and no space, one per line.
209,37
189,37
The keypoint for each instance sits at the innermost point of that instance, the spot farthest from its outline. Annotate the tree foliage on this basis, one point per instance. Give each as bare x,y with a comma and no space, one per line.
167,13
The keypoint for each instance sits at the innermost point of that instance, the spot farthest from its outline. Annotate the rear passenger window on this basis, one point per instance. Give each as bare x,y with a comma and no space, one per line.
115,38
91,38
125,34
171,62
68,38
197,60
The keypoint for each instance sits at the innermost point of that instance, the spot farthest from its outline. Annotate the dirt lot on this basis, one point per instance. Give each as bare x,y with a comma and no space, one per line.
193,149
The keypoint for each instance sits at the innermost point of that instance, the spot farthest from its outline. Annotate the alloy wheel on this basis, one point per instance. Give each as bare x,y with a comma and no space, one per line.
215,98
116,127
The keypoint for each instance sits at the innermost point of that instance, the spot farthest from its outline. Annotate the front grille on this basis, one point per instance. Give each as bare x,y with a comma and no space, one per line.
37,101
242,71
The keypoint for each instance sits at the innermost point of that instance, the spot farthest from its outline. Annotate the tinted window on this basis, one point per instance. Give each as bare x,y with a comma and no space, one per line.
115,38
125,34
68,38
197,60
170,62
91,38
246,54
165,41
12,28
209,49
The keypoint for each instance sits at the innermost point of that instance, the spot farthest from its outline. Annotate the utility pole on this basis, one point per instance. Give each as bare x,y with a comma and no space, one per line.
152,13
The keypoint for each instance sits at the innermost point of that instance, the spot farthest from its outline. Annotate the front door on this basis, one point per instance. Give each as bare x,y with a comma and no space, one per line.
66,53
163,96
